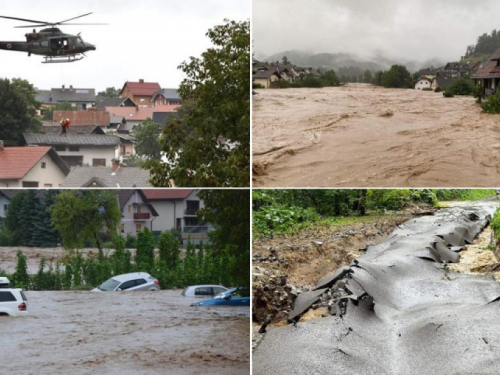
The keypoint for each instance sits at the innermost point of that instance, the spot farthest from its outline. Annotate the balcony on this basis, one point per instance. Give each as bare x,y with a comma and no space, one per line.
191,211
142,216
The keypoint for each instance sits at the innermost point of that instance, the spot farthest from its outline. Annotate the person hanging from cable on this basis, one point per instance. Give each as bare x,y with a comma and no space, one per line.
65,123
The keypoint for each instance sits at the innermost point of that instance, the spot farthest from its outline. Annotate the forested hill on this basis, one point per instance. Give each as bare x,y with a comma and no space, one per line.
345,60
486,45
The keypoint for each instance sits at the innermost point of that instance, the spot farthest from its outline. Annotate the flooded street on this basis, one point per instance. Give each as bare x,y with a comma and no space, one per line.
361,135
124,333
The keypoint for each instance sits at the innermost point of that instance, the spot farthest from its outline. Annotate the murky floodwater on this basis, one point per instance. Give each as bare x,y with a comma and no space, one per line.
361,135
124,333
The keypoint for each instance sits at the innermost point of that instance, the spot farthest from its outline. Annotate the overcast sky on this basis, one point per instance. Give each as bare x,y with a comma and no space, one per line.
407,29
145,39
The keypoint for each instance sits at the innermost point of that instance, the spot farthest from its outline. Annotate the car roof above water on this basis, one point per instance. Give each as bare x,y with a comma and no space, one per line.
131,276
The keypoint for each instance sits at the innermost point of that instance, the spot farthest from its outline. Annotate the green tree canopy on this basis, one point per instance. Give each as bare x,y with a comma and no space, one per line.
229,213
48,112
397,77
110,92
330,78
148,143
210,144
82,215
17,111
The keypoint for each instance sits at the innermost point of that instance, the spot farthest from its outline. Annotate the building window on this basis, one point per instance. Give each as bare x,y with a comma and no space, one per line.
98,162
122,228
44,165
30,184
60,148
138,227
47,185
139,209
5,208
129,209
74,148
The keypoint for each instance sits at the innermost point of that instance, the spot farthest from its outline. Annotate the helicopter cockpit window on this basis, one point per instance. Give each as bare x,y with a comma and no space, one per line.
79,40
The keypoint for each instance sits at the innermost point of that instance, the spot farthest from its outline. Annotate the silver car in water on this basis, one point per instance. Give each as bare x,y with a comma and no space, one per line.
130,282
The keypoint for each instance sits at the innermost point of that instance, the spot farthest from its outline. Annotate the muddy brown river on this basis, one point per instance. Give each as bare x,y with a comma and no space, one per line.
362,135
124,333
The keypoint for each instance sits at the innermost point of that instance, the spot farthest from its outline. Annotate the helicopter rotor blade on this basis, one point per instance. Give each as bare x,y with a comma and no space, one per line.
74,18
26,20
71,24
30,26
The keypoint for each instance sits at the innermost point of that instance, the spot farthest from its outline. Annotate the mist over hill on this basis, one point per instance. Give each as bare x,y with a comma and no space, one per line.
343,60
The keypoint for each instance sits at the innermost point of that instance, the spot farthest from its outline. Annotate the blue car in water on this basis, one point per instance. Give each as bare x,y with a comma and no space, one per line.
233,297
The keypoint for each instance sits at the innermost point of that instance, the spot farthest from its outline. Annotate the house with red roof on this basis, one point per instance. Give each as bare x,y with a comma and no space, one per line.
83,118
178,209
140,92
488,75
31,167
137,115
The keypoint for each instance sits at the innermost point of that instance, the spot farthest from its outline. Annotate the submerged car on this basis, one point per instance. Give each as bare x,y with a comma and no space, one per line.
4,283
13,302
204,290
233,297
130,282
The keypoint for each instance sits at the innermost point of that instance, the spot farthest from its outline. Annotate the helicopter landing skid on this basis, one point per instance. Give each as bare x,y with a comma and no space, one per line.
61,59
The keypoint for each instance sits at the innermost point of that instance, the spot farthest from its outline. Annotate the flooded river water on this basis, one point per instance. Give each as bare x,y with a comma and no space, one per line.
361,135
124,333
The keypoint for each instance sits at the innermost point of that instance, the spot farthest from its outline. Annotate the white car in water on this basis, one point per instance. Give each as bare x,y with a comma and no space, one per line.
13,302
129,282
204,290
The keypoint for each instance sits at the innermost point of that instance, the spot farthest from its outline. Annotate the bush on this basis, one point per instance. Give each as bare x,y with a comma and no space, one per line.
427,89
438,89
6,238
280,219
312,81
130,241
495,224
462,86
257,86
448,94
282,84
492,104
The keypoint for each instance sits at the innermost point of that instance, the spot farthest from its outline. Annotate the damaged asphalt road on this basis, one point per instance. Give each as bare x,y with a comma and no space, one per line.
403,312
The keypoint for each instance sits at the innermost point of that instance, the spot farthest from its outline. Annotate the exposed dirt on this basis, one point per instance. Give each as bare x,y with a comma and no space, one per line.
362,135
124,333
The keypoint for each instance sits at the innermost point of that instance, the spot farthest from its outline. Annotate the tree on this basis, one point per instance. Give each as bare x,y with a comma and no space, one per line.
21,217
48,112
330,78
367,76
285,60
397,77
18,108
110,92
210,145
42,232
83,215
21,278
147,135
169,249
229,213
145,254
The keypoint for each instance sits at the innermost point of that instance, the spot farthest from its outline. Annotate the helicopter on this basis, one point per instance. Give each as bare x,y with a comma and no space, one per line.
52,43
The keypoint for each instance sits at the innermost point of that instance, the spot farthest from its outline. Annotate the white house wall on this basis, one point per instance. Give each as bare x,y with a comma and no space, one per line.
92,152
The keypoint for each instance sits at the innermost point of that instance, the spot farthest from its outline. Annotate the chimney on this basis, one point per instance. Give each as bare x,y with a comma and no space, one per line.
1,146
70,87
141,80
115,164
63,88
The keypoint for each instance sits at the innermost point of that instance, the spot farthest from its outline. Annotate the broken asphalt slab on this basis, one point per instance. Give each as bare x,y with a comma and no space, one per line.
412,319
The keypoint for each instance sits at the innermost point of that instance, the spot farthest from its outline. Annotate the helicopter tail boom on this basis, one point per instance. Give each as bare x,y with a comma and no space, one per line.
14,46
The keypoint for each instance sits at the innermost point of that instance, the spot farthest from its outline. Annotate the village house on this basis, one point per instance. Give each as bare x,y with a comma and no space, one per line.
31,167
161,118
116,176
137,115
423,82
83,118
140,92
127,146
443,82
75,129
78,98
137,212
5,198
177,209
78,149
488,75
166,97
115,102
266,77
